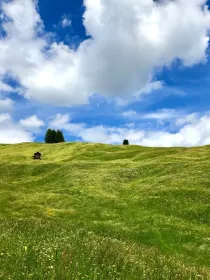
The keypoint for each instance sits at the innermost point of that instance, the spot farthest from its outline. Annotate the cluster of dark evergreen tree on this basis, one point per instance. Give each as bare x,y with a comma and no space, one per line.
53,136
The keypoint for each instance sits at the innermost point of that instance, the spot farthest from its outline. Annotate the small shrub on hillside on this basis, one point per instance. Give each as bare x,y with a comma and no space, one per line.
125,142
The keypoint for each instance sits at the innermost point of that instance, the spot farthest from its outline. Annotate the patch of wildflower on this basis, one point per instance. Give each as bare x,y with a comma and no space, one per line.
47,252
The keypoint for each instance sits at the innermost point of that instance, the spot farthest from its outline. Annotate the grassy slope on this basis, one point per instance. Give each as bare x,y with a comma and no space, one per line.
152,197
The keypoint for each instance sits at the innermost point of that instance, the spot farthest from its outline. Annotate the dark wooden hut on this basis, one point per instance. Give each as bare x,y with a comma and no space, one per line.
37,155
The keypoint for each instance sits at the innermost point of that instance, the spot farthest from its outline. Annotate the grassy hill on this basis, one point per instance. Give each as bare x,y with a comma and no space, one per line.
93,211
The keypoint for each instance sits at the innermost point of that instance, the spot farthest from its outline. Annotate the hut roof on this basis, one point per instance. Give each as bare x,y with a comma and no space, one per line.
38,153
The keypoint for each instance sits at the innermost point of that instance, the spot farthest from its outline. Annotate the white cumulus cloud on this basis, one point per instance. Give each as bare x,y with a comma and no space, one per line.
31,123
6,105
59,120
11,132
129,41
4,87
194,132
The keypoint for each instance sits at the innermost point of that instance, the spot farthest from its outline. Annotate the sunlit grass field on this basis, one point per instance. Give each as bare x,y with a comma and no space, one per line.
93,211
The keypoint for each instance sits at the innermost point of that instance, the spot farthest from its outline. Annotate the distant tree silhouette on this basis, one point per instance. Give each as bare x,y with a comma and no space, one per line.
50,136
59,138
125,142
62,137
53,136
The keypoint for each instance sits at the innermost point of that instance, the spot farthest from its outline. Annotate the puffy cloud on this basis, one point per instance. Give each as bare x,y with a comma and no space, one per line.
195,133
11,133
4,87
185,119
4,117
129,41
63,122
6,105
110,135
59,120
150,87
31,123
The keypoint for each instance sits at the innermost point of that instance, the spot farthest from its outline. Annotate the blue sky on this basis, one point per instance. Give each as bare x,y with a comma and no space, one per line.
102,71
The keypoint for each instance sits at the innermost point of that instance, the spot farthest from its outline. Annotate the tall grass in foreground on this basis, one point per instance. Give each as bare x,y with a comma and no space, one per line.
46,250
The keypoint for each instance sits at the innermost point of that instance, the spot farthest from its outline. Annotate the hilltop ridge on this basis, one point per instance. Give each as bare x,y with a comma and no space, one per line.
91,151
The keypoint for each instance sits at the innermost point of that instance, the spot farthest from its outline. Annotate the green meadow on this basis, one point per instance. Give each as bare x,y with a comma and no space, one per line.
93,211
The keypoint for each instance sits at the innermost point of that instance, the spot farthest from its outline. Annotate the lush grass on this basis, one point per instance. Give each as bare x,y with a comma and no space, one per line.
90,211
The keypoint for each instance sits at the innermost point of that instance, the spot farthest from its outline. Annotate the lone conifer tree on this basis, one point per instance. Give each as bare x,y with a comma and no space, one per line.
59,137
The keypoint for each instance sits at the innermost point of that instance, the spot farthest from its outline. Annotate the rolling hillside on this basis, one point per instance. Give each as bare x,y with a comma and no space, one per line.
93,211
